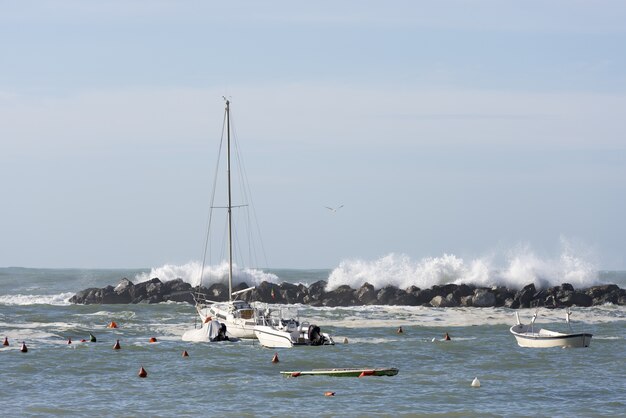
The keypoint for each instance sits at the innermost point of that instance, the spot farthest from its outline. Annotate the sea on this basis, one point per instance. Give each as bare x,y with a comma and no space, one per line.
58,378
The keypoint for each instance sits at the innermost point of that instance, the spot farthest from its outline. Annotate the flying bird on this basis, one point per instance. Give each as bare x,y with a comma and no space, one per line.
334,209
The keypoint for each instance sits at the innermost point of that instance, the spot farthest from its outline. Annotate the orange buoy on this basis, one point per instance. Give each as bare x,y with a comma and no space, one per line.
446,337
329,393
117,345
366,373
153,340
112,324
24,349
69,340
400,330
6,341
275,358
185,353
142,372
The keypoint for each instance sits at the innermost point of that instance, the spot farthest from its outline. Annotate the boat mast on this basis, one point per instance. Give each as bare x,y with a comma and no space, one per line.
230,233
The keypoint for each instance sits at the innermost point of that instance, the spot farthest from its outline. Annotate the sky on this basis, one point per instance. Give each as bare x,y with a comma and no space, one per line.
443,127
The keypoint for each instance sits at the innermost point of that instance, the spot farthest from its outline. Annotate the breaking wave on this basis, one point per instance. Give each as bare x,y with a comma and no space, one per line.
60,299
191,272
521,267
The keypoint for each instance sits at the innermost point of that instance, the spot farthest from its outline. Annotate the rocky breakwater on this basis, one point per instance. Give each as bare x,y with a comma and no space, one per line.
450,295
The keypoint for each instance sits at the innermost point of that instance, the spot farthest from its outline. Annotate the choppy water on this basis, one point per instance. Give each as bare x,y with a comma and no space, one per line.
238,379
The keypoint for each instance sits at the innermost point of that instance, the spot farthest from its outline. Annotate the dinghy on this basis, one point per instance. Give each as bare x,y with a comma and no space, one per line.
528,335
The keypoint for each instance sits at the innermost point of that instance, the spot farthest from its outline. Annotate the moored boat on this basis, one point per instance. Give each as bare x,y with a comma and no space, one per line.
237,315
343,372
528,335
281,328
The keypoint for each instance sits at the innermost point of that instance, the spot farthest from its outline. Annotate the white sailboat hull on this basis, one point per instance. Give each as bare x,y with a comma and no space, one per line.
238,317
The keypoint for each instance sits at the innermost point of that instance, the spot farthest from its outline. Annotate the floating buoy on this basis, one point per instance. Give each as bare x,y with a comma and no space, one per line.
24,349
92,338
117,345
295,374
329,393
275,358
142,372
185,353
400,330
112,324
446,337
475,383
153,340
366,373
345,340
6,341
69,340
83,340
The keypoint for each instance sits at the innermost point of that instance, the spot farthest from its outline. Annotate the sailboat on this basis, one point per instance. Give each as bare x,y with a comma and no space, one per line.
238,316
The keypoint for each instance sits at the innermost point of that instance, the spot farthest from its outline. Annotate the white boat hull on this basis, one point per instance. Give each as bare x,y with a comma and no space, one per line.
544,339
273,338
238,317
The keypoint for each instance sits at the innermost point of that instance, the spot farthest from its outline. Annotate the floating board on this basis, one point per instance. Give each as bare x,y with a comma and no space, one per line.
350,372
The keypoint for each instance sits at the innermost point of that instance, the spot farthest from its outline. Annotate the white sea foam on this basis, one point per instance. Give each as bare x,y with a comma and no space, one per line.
521,267
420,316
192,271
59,299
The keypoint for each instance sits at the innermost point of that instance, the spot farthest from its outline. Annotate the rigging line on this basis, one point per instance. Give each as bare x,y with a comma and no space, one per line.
209,221
245,194
248,192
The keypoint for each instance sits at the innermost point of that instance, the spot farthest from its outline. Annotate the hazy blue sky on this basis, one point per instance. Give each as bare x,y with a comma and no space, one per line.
444,127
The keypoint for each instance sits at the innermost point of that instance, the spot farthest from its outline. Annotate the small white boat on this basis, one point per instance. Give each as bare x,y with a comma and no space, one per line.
527,335
281,328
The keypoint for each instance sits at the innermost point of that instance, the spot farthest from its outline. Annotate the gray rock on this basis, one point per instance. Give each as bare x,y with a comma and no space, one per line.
483,298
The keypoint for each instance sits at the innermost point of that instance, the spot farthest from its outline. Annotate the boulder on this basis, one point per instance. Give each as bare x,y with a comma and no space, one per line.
342,296
483,298
525,295
367,295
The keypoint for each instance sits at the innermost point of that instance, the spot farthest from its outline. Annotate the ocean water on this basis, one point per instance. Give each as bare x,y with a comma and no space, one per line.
238,379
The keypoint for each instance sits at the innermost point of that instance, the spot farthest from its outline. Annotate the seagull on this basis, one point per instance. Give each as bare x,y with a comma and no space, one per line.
334,209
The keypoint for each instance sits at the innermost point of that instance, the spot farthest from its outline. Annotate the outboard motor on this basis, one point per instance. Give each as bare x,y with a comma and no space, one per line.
221,335
315,335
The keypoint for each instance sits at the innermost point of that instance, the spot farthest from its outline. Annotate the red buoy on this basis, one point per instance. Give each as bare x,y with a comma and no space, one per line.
275,358
153,340
329,393
83,340
185,353
6,341
112,324
117,345
24,349
142,372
